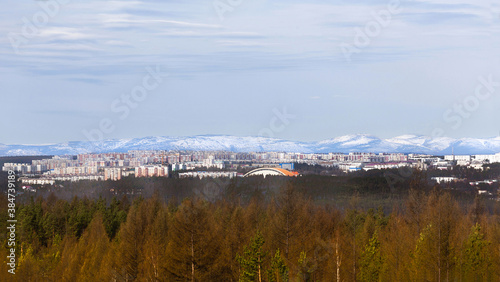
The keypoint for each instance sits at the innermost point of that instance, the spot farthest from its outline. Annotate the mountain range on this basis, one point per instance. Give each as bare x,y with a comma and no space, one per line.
343,144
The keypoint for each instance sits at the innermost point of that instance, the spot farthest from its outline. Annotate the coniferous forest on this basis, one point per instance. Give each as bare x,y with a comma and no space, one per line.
426,234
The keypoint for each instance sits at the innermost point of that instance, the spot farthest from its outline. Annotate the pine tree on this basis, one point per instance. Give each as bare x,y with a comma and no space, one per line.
251,262
278,272
476,260
114,216
80,215
306,267
371,261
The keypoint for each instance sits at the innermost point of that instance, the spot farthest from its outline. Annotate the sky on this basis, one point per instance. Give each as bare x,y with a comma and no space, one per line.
299,70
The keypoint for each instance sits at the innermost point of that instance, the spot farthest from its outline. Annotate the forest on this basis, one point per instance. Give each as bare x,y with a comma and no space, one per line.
282,234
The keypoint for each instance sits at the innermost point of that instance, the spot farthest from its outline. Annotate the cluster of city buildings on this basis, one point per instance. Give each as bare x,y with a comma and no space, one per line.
474,161
151,171
158,163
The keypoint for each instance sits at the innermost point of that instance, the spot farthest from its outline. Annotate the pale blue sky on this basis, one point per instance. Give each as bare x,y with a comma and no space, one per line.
227,75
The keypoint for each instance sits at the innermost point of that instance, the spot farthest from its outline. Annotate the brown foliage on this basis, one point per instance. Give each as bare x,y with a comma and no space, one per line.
199,241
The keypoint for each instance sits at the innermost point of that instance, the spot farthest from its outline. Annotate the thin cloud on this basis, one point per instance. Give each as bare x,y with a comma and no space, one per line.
65,33
130,19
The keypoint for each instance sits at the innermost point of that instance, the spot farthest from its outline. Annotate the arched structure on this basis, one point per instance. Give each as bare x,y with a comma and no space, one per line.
265,171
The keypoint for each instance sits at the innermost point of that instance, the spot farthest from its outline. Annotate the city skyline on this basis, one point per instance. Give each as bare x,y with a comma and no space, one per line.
150,68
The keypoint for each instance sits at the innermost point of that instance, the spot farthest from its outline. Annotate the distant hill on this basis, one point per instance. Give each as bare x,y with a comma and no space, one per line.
343,144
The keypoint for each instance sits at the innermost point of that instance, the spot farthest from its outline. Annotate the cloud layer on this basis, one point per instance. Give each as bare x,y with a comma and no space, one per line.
228,74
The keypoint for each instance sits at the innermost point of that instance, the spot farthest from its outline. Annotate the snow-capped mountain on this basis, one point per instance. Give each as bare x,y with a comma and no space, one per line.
343,144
